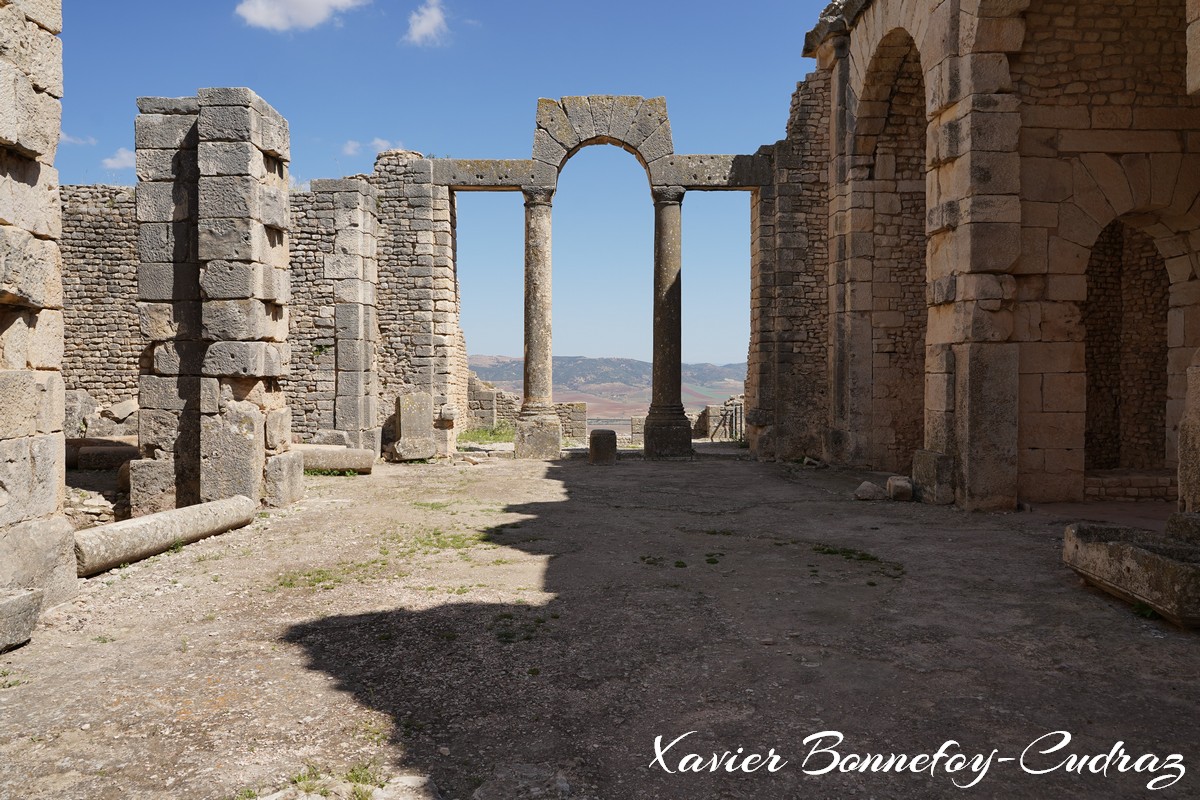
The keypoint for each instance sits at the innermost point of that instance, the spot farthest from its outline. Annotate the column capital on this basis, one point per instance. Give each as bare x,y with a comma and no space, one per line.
537,195
667,194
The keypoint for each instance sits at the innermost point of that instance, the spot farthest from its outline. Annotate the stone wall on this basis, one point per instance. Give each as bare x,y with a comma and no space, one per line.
37,564
573,419
787,387
333,385
1125,317
99,253
421,344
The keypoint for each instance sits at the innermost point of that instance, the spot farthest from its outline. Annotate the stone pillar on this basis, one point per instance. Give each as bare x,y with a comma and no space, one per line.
1189,444
169,388
245,423
539,432
36,541
668,433
352,268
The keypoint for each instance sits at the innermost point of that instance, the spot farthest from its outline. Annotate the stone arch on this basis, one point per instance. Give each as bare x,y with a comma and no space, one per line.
637,125
878,347
1137,216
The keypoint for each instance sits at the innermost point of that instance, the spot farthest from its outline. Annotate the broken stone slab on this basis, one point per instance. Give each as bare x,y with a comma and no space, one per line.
870,491
414,428
19,611
107,546
334,458
538,438
1138,566
1184,527
602,447
900,488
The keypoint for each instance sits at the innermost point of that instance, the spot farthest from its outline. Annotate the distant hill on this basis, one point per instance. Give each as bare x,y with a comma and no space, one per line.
615,387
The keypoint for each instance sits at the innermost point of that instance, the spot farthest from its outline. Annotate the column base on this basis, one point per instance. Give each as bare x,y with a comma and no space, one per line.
668,435
539,436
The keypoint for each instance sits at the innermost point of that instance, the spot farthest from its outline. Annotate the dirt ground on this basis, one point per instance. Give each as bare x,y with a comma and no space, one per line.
523,629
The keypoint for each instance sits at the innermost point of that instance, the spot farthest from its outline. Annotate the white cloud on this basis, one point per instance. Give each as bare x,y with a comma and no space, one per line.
297,185
122,159
351,148
379,145
284,15
66,138
427,25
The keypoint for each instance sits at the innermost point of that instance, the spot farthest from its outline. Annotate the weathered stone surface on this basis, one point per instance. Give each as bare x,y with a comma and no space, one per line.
900,488
414,427
19,611
1138,566
30,269
232,452
602,447
870,491
107,546
106,458
538,437
933,478
152,485
37,553
257,359
283,479
326,457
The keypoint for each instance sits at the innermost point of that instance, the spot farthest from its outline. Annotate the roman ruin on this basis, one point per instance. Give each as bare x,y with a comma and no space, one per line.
973,263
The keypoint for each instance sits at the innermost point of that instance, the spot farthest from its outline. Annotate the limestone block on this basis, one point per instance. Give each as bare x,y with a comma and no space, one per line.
933,477
244,320
231,159
179,357
230,123
538,438
18,403
30,270
283,479
51,402
177,393
152,486
46,341
19,612
277,285
168,105
161,433
900,488
240,239
162,321
355,384
46,14
14,337
167,166
414,427
165,132
106,546
870,491
279,429
351,320
354,355
45,61
548,150
39,554
602,447
658,144
650,116
30,121
29,199
552,118
351,413
232,280
258,359
167,242
163,201
241,196
986,390
710,171
232,452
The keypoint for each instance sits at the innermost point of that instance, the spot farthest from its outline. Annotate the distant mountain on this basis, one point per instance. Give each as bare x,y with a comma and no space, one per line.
615,386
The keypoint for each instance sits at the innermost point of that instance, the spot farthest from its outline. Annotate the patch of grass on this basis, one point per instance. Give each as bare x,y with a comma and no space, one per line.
6,683
410,727
335,473
848,553
307,780
102,639
534,671
176,546
681,564
365,773
361,793
200,559
246,794
309,579
719,532
652,561
433,505
503,432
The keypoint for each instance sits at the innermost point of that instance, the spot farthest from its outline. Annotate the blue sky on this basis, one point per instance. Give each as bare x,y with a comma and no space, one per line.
461,78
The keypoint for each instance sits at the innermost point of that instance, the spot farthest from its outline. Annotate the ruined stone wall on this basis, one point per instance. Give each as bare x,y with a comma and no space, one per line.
99,252
37,564
1125,317
1107,133
787,386
421,344
333,385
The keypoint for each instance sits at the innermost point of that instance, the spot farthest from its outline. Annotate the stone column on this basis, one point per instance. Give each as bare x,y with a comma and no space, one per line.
539,432
668,433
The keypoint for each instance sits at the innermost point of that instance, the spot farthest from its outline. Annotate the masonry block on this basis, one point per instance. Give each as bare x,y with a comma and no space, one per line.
232,452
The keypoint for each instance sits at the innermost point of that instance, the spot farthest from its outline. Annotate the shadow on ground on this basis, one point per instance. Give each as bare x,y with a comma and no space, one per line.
756,611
